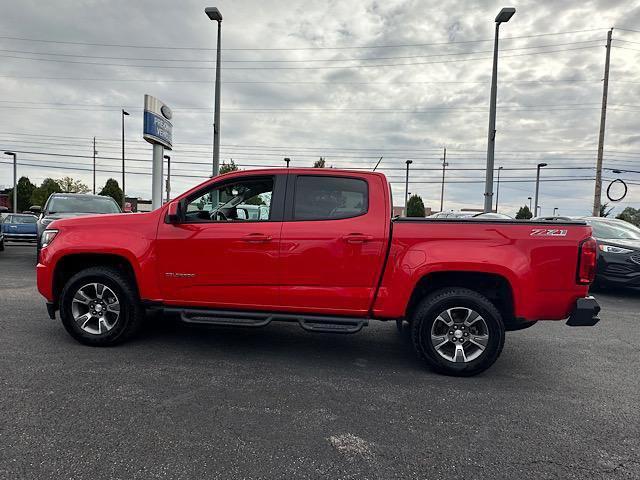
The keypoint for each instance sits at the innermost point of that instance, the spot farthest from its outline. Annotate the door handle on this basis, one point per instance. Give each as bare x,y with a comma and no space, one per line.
357,238
257,238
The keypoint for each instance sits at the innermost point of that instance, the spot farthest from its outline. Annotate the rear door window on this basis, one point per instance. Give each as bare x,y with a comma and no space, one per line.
323,197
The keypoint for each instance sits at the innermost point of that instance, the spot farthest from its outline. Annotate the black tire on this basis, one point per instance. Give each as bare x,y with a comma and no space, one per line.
131,312
2,245
426,314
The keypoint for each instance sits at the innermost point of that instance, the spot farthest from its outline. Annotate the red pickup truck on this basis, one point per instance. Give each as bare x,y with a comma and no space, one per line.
317,247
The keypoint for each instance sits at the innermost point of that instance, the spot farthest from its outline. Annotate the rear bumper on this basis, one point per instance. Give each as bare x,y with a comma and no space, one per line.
585,313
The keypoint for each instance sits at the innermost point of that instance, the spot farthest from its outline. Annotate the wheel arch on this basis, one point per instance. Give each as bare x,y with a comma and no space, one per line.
495,287
67,266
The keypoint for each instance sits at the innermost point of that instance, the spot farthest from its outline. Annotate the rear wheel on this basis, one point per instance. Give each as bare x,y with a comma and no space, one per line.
99,307
458,332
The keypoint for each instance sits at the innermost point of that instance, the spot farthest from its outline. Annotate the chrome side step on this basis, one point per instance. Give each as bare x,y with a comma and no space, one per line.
311,323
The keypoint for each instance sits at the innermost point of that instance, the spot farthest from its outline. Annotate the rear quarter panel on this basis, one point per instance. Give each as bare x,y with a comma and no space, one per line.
541,269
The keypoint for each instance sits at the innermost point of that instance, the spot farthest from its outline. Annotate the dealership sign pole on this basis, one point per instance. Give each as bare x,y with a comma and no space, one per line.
158,131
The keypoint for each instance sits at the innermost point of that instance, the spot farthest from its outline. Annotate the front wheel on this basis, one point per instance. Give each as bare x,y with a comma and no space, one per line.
99,307
458,331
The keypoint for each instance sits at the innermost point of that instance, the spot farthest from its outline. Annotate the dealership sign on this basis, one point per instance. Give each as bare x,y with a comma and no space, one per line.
157,122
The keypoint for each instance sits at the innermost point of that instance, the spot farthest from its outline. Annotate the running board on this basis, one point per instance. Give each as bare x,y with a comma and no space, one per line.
311,323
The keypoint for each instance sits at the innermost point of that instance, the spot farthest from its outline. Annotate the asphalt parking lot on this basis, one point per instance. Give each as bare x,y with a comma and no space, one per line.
187,402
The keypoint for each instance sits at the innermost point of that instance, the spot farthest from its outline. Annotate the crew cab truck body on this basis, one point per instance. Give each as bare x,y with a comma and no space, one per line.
328,256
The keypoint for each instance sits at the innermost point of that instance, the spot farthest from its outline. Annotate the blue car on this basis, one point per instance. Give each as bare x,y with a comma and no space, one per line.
20,227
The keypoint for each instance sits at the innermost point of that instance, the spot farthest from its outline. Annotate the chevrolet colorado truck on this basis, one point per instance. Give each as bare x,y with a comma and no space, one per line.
326,254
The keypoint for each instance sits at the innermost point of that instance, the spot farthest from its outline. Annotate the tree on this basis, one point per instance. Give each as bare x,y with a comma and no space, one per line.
41,194
631,215
228,167
319,163
605,211
25,191
524,213
415,206
113,190
69,185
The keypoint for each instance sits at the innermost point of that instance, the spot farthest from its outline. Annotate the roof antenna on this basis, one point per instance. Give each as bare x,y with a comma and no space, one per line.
374,168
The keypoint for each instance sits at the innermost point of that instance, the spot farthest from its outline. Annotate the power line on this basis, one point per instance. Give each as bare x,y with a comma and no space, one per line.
31,52
325,67
157,47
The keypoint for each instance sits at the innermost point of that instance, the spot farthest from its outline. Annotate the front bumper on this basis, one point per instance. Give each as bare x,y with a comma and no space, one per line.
585,313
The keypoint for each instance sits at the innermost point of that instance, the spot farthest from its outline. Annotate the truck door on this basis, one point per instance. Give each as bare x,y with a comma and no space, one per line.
217,256
333,243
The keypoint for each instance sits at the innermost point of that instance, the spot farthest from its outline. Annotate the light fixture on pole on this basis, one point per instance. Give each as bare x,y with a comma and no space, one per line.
503,17
214,14
168,182
530,207
124,196
406,188
498,189
540,165
287,160
15,181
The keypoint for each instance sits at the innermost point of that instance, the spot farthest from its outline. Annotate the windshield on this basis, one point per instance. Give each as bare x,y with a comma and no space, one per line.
615,230
86,204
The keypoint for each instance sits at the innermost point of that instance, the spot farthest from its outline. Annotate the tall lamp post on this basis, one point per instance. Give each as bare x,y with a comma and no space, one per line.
444,166
406,188
124,196
287,160
15,181
530,207
214,14
168,182
540,165
498,189
503,17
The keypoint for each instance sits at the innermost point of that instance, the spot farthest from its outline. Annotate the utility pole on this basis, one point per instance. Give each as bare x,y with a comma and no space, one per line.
124,195
406,188
168,182
498,189
597,196
94,165
444,166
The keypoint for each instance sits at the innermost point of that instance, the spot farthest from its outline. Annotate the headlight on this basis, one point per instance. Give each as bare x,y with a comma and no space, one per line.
614,249
47,237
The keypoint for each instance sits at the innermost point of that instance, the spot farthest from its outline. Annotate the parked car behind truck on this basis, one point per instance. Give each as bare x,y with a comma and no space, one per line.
328,256
19,227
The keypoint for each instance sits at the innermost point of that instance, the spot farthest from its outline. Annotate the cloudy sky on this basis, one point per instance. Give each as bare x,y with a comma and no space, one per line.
346,80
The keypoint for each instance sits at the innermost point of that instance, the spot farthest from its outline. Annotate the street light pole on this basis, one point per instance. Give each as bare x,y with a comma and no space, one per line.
406,188
287,160
540,165
168,182
498,189
504,16
15,181
124,196
214,14
530,207
444,166
555,211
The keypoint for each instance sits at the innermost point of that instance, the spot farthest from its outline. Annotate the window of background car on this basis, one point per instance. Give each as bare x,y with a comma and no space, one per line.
240,201
24,219
613,230
329,198
81,204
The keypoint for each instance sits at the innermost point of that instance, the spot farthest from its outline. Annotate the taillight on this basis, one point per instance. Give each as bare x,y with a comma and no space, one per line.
587,261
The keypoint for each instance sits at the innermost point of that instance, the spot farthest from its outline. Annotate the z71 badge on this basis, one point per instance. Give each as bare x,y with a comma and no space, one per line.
548,232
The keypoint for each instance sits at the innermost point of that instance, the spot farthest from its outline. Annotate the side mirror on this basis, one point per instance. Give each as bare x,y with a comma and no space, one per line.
173,213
